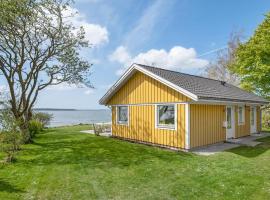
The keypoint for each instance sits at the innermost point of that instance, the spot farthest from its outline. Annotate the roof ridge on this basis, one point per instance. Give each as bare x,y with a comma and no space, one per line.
181,72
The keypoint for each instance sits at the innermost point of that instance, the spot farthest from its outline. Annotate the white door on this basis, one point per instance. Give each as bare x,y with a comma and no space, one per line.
230,122
253,119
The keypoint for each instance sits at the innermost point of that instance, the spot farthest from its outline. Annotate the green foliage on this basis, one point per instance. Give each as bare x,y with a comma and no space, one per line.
8,121
35,127
253,61
10,135
10,143
39,47
44,118
266,118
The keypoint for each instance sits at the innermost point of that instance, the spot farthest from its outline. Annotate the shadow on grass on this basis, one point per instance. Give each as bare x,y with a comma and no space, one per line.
251,152
6,187
97,152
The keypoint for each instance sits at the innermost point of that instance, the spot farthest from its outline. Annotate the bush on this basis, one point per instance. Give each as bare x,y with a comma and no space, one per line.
10,143
10,135
35,127
44,118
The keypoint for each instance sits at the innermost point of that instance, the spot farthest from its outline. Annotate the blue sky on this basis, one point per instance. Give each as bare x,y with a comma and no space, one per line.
173,33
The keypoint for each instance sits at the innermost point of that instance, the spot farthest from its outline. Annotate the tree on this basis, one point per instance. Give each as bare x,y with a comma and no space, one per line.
252,62
219,69
38,48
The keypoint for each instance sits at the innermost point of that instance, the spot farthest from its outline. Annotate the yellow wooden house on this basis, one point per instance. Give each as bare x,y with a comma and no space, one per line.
177,110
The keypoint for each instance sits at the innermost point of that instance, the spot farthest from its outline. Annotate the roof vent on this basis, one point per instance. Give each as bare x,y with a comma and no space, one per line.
223,82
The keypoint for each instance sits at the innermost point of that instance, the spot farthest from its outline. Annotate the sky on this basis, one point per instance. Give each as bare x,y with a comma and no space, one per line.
173,34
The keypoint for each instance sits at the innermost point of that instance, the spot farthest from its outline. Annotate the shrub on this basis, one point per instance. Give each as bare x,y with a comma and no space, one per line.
10,143
10,135
44,118
35,127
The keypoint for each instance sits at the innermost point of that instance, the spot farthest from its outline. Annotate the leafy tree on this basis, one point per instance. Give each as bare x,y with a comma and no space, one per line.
10,135
252,62
219,69
38,48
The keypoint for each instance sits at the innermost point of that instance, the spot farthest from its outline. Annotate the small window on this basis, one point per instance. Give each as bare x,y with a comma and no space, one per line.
122,115
252,116
165,116
241,115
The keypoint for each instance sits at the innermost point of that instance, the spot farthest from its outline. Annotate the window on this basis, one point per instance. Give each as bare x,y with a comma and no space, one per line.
166,116
122,115
229,117
241,115
252,116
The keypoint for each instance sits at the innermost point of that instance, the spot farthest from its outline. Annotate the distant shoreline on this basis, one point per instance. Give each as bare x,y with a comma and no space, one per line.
65,109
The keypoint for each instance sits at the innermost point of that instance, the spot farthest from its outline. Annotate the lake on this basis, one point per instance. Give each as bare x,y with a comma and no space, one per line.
73,117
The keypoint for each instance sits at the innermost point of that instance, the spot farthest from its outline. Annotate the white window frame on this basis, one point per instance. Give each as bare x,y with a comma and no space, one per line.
117,117
243,115
167,127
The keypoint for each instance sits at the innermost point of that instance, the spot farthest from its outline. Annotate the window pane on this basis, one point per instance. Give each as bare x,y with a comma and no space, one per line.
240,114
229,118
252,116
165,115
123,114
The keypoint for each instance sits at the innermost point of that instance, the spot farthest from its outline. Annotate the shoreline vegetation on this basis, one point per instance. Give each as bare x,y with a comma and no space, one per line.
81,124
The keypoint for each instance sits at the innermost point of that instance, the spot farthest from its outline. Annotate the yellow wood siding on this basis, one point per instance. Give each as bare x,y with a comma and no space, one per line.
142,128
242,129
258,117
141,88
206,124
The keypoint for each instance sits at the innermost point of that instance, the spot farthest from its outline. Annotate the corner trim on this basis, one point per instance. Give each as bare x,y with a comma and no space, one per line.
187,134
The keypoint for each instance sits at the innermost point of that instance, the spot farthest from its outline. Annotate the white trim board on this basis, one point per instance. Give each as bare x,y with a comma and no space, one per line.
217,102
150,104
187,125
169,84
175,117
134,67
117,120
131,71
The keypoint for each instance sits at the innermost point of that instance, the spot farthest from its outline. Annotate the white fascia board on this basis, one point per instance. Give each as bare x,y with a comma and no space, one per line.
187,126
219,102
168,83
114,88
130,71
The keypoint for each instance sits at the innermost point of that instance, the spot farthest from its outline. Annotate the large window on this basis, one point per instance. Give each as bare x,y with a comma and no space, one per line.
122,115
166,116
241,115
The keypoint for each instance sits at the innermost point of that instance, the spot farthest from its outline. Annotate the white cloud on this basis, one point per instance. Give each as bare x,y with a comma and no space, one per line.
94,33
176,58
89,91
120,55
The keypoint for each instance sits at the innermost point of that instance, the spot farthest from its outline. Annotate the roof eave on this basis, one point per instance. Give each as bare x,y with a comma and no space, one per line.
236,101
129,72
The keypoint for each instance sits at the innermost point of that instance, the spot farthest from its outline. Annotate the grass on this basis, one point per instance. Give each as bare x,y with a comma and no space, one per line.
65,164
266,129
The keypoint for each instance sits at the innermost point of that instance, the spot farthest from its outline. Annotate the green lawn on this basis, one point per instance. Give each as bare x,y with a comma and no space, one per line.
266,129
65,164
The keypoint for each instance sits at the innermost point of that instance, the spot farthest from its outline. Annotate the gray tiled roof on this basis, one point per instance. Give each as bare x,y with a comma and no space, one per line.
205,88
